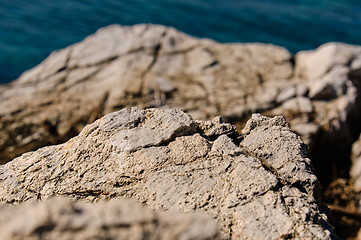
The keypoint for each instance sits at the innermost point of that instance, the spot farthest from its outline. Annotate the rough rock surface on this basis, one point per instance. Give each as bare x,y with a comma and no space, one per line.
332,76
144,66
151,65
60,218
259,185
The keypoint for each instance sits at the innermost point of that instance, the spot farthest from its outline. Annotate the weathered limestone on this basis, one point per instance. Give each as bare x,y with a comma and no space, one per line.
329,73
60,218
259,185
144,66
156,66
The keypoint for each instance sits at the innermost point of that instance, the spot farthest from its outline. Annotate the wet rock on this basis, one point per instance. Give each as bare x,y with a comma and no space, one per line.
61,218
261,188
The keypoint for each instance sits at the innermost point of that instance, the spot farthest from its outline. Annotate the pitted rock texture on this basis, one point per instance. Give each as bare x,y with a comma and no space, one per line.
144,66
60,218
259,185
152,65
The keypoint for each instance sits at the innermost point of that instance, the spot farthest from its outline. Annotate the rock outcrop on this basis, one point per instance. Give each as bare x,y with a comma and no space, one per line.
60,218
258,185
144,66
333,81
151,65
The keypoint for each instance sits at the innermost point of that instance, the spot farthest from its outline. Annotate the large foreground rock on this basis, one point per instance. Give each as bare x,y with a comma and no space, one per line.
61,218
259,185
151,65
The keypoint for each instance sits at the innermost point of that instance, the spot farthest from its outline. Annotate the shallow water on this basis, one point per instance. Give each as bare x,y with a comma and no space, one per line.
31,30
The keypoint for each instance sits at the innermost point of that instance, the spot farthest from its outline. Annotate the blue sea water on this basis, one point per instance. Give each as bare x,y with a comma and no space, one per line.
31,30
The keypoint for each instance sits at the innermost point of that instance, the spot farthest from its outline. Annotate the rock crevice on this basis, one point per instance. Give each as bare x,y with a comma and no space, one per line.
168,161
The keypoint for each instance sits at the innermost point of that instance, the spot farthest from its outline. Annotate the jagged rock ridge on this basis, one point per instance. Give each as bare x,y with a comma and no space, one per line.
144,66
152,65
257,186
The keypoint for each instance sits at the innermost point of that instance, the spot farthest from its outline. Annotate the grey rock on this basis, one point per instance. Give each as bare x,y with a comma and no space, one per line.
330,73
295,105
308,131
144,66
292,89
155,66
315,64
263,188
287,93
332,85
61,218
302,89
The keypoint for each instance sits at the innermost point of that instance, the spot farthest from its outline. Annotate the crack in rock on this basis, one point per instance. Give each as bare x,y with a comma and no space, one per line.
168,161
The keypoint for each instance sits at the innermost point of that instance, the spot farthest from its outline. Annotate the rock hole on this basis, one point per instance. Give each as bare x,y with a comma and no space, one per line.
299,186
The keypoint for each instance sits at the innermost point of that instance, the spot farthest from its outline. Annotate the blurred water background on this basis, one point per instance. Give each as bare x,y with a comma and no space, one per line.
31,30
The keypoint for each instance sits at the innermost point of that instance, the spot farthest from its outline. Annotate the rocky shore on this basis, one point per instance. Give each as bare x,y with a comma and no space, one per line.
257,183
261,188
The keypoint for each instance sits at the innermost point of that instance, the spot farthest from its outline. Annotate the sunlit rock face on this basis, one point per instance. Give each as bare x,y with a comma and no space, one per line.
257,185
157,66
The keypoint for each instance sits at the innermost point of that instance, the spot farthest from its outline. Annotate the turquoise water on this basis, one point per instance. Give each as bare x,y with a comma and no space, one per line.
31,30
